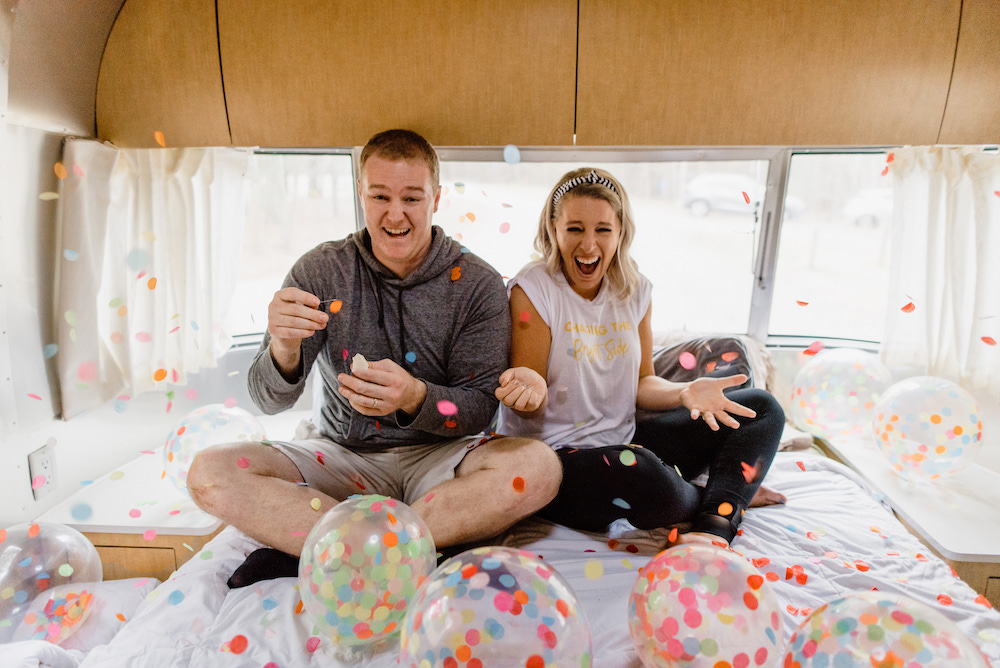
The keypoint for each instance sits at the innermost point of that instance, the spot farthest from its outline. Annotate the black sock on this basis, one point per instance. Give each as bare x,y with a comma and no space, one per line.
264,564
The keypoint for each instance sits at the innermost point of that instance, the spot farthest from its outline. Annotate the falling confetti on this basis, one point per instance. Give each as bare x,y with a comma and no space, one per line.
889,158
32,395
687,360
511,154
814,348
158,136
150,534
749,472
908,308
746,197
518,484
60,170
621,503
885,171
801,303
159,375
50,350
446,407
989,340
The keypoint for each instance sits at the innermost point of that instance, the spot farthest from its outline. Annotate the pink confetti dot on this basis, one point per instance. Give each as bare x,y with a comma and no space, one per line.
191,394
87,371
446,407
143,337
150,534
243,462
38,482
230,402
135,512
504,228
32,395
687,360
312,644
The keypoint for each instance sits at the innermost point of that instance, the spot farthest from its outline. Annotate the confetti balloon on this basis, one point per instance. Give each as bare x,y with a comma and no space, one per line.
702,606
495,606
834,393
48,572
209,425
361,566
927,428
880,630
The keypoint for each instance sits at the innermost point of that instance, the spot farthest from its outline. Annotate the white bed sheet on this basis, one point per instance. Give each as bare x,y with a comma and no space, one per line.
833,537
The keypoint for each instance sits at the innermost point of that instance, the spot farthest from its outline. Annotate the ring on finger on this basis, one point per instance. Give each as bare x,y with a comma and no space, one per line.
374,403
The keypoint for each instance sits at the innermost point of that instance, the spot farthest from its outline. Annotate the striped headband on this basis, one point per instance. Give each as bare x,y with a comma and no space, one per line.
580,180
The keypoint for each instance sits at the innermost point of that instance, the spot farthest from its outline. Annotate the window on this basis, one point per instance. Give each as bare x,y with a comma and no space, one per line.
695,226
294,202
832,272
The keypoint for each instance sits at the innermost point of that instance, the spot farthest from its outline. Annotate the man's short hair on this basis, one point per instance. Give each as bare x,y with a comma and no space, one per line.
407,145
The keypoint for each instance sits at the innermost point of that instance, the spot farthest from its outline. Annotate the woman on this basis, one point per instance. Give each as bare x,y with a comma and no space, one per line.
581,359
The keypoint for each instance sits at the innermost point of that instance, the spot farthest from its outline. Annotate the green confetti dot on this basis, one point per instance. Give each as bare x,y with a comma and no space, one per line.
627,457
115,303
65,570
116,475
70,316
206,555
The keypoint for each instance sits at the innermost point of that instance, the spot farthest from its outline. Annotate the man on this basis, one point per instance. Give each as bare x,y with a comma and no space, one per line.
435,323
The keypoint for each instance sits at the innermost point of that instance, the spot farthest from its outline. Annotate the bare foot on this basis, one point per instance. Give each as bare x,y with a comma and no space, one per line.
766,497
699,538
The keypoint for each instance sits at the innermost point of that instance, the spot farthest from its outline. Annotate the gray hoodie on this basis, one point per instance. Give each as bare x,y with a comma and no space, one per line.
447,323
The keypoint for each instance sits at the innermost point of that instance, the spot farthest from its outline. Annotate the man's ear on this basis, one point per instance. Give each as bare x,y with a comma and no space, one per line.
437,198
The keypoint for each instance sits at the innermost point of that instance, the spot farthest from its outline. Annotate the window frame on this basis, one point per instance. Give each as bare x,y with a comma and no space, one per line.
768,226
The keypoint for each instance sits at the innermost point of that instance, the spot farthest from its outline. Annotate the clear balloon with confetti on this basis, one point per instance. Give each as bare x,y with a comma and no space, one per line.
880,629
360,567
927,428
495,606
48,572
834,393
700,606
209,425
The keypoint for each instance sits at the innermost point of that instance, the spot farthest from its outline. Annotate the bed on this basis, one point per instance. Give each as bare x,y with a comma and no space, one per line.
832,538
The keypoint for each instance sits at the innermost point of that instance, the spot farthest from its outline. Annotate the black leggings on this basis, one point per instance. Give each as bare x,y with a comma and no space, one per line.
603,484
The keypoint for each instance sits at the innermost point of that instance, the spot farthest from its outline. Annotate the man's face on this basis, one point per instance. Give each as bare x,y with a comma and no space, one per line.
398,198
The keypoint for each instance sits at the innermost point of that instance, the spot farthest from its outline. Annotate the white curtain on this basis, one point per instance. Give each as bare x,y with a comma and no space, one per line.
944,311
150,248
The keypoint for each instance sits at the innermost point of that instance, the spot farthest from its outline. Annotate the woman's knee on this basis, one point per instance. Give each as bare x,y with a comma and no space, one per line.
761,402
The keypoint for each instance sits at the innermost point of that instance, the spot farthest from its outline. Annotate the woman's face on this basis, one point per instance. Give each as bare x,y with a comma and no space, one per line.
587,234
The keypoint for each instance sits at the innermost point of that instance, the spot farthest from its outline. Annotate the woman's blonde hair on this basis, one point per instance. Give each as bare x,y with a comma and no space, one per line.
623,272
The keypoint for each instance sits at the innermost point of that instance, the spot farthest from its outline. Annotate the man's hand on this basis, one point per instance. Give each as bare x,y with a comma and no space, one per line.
382,388
292,315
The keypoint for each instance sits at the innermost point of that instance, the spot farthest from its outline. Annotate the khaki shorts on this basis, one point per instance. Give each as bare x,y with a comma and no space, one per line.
406,472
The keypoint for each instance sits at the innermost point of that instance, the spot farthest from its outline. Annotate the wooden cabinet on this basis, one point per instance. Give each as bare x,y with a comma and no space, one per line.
973,112
126,555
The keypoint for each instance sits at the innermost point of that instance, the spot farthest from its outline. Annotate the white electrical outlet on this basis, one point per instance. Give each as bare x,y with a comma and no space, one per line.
42,471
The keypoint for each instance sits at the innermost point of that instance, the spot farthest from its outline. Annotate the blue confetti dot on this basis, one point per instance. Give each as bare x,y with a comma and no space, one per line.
511,154
81,512
70,255
21,596
24,562
411,357
621,503
270,604
51,350
465,250
175,597
137,259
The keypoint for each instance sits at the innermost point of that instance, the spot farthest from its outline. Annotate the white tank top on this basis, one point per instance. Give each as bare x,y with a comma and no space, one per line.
593,371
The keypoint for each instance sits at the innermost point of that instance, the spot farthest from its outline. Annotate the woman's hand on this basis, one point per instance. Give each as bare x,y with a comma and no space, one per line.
522,389
704,398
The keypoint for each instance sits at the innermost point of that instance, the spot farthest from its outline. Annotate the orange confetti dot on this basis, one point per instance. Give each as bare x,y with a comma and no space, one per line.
749,472
771,576
463,653
725,509
944,599
160,375
672,536
60,170
298,608
890,157
33,530
525,316
958,430
534,661
936,419
885,171
151,283
122,311
121,617
746,197
451,424
158,136
989,340
801,303
238,644
729,357
456,273
908,308
518,484
390,539
471,216
336,305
